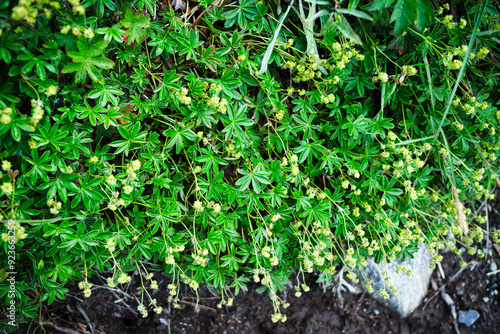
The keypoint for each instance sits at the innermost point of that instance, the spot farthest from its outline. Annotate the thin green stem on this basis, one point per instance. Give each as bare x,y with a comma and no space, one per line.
462,69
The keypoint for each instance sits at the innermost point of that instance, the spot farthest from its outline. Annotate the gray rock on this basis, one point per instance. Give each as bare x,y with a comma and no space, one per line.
468,317
411,289
493,266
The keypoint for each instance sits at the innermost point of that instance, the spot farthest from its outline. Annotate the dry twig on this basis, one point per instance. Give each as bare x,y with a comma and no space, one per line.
359,304
447,299
198,305
452,278
61,329
198,19
87,320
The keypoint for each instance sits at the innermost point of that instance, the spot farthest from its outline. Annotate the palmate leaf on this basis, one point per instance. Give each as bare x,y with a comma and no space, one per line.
87,60
380,4
6,95
136,23
105,94
403,14
424,14
255,177
407,12
115,32
237,119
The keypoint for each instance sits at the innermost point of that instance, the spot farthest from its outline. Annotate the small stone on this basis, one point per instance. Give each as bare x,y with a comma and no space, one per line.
486,299
411,289
493,266
460,292
468,317
376,312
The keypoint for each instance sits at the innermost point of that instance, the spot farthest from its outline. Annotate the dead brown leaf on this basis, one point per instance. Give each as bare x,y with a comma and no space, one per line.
497,248
178,4
460,213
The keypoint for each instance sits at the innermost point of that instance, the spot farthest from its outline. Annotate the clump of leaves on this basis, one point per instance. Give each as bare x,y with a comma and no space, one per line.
221,156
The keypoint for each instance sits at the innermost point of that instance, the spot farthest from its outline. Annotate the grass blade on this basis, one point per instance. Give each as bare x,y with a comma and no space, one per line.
269,51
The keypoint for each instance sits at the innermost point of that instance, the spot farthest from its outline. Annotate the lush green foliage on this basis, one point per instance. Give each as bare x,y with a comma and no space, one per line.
238,141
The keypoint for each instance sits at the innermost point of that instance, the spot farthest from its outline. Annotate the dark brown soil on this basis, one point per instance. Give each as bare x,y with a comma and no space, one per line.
111,311
315,312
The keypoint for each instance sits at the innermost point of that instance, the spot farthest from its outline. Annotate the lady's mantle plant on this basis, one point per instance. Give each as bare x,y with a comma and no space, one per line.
137,138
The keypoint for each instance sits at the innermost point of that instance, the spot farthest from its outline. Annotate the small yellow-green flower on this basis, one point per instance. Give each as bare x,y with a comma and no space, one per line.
51,90
7,188
88,33
65,30
6,165
383,77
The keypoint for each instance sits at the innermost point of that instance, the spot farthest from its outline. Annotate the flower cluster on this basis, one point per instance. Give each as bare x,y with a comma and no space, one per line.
216,207
382,77
19,232
142,309
38,112
330,98
5,115
169,258
51,90
7,188
200,257
343,54
409,70
218,103
482,53
124,278
54,206
228,303
85,286
305,70
172,292
28,10
182,95
231,150
110,245
115,202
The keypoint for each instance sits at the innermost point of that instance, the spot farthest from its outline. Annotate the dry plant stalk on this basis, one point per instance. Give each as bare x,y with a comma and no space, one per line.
460,212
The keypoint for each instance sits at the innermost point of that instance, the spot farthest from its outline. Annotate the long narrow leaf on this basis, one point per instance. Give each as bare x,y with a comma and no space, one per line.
347,31
269,51
354,12
318,2
322,12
